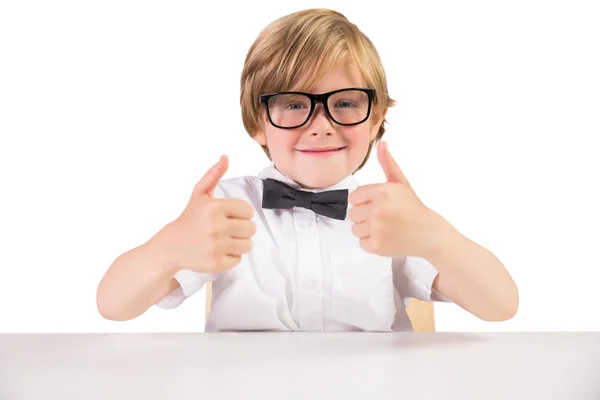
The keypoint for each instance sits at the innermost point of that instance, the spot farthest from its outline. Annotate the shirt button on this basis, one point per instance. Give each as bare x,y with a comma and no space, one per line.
305,223
310,285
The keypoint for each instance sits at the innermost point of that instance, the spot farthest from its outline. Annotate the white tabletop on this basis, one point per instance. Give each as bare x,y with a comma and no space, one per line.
300,366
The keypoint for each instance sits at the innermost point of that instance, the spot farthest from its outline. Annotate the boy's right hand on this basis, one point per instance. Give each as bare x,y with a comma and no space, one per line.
211,235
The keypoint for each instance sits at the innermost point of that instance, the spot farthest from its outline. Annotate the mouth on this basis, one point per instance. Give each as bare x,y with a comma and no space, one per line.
321,151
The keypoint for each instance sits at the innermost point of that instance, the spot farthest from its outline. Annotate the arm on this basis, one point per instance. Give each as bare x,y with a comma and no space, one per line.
390,220
471,276
210,236
136,280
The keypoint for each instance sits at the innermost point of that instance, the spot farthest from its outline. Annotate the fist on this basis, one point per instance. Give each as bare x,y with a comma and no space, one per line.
211,235
390,219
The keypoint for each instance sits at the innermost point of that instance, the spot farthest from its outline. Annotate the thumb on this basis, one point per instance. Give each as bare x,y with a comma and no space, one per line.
392,171
211,178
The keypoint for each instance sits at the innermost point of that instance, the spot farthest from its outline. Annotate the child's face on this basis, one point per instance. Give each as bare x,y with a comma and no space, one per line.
295,151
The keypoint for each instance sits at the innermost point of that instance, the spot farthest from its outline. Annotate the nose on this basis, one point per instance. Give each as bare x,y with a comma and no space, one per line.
320,124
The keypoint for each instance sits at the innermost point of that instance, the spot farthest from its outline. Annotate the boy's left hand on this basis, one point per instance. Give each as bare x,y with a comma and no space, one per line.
389,218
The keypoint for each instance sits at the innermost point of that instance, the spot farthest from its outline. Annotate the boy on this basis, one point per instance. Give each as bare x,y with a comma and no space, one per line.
303,247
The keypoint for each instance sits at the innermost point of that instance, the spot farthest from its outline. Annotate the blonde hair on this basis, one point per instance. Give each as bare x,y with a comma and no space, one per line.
297,51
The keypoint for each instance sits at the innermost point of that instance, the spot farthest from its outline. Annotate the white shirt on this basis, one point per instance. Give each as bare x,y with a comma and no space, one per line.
306,272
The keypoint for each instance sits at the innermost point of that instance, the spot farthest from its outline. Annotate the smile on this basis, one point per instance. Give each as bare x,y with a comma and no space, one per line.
321,152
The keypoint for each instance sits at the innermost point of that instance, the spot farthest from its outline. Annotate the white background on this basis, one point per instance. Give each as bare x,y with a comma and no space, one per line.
111,111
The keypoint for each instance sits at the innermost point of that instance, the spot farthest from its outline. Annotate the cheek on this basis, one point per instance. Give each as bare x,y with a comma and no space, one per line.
358,137
280,140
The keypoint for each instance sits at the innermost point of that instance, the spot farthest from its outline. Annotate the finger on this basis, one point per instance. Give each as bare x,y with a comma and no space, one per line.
236,208
367,244
360,212
364,194
237,247
361,230
211,178
228,261
240,228
392,171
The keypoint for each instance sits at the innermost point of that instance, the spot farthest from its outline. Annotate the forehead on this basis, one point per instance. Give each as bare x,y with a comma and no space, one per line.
344,74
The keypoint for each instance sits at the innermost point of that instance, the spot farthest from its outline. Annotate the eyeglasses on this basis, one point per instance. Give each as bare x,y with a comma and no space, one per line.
289,110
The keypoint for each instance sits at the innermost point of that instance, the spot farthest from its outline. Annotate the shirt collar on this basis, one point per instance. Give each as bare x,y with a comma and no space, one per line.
350,182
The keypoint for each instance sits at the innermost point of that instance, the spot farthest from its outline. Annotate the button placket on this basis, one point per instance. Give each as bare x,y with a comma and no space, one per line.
309,271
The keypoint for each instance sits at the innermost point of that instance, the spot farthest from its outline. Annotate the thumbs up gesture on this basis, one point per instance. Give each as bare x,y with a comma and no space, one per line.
389,218
211,234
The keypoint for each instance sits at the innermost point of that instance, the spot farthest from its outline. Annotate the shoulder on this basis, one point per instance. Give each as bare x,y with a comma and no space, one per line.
247,188
246,184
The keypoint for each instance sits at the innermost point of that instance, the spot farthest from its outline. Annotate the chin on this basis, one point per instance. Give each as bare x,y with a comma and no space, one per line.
315,176
318,182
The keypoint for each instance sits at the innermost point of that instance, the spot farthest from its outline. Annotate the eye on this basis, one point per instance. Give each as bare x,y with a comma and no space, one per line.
345,104
295,106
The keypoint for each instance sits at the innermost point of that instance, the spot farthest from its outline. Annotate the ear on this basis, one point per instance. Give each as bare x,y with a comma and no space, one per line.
260,137
377,123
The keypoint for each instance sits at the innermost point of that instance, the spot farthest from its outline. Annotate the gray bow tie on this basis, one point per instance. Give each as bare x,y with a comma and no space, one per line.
332,203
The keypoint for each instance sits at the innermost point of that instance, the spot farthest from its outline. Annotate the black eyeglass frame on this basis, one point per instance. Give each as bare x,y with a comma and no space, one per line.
314,99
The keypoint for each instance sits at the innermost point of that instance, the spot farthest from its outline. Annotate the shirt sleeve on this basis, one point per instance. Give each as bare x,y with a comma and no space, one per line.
413,278
190,282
